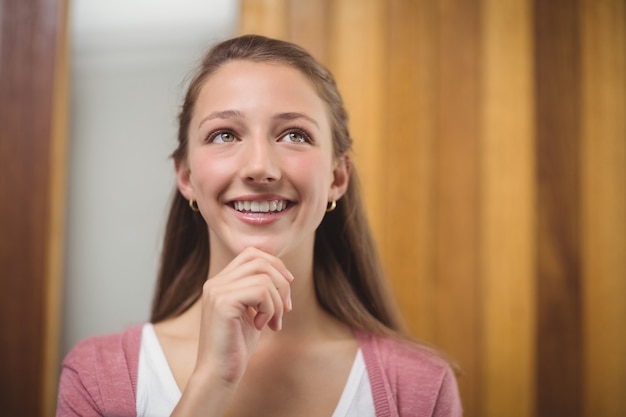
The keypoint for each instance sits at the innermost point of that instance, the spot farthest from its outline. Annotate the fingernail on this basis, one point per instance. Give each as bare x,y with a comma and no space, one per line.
289,305
280,323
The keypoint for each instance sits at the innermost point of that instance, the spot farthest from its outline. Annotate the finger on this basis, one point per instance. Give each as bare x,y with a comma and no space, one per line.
271,305
257,292
256,266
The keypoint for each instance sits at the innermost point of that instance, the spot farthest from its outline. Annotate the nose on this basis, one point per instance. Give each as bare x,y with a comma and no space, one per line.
259,164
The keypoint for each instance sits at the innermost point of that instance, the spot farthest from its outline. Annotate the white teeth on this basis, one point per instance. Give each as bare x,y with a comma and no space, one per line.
260,206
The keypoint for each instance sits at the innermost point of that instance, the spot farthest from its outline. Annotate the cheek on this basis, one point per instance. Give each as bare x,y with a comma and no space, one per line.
208,171
314,174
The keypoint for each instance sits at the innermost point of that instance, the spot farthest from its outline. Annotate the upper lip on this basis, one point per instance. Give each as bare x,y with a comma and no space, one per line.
260,197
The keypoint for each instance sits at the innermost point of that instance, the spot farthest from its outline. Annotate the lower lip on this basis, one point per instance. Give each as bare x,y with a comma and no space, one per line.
260,218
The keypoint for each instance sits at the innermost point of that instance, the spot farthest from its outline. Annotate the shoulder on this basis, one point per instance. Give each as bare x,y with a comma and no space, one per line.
99,374
110,348
408,377
404,353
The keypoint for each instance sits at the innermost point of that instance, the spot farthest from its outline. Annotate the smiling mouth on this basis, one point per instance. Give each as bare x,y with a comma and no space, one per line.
261,207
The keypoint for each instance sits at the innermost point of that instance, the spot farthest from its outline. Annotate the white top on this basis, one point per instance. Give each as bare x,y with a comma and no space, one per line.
158,393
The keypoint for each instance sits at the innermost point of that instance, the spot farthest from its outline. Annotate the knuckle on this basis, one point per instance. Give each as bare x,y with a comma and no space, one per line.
260,264
207,287
210,290
262,292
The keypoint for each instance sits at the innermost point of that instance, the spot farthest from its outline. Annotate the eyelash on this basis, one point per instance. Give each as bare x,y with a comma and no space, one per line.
214,135
305,135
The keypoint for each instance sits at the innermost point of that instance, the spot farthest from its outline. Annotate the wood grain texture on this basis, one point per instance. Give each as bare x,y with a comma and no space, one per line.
348,57
265,17
458,191
507,215
604,205
558,248
307,19
56,214
410,120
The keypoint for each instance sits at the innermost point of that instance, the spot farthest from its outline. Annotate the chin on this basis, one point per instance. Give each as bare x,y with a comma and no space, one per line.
264,245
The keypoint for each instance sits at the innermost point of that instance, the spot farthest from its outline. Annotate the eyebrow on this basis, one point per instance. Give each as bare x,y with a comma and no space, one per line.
224,114
234,114
294,116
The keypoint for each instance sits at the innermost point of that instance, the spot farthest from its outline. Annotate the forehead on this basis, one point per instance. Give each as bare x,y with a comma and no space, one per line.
239,79
239,66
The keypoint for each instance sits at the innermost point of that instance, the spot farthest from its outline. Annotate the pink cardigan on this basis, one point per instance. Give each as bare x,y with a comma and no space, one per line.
99,378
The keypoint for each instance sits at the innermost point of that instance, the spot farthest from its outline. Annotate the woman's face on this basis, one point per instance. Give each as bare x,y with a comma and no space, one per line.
260,160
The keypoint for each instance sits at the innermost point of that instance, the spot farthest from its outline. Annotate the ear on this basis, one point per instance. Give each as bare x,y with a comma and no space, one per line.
341,178
183,179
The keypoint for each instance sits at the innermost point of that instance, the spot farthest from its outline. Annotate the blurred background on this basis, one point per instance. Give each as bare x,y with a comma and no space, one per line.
490,137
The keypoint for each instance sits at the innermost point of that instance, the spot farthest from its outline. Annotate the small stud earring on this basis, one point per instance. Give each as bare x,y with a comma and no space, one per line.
331,206
193,205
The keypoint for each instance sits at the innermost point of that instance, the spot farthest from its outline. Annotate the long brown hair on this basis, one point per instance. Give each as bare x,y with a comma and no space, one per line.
349,280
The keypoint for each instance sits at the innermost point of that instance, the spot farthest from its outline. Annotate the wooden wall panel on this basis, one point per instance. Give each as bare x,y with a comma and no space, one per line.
348,57
269,17
32,109
57,186
491,140
412,122
456,181
307,19
558,246
507,212
604,205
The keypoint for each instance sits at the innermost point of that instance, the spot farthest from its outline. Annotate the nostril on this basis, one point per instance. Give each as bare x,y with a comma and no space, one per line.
262,180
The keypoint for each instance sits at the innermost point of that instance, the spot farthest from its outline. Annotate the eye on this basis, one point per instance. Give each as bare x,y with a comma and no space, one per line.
222,136
296,136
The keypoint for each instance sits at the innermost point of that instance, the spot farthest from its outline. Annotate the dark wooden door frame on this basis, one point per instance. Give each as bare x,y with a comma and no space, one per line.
33,108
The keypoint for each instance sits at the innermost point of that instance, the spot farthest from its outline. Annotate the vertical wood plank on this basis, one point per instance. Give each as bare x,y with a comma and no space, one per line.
264,17
357,60
558,277
457,196
28,54
604,205
309,25
56,221
507,220
410,119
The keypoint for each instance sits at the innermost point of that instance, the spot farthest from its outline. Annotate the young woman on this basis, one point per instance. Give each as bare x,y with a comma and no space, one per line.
270,299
